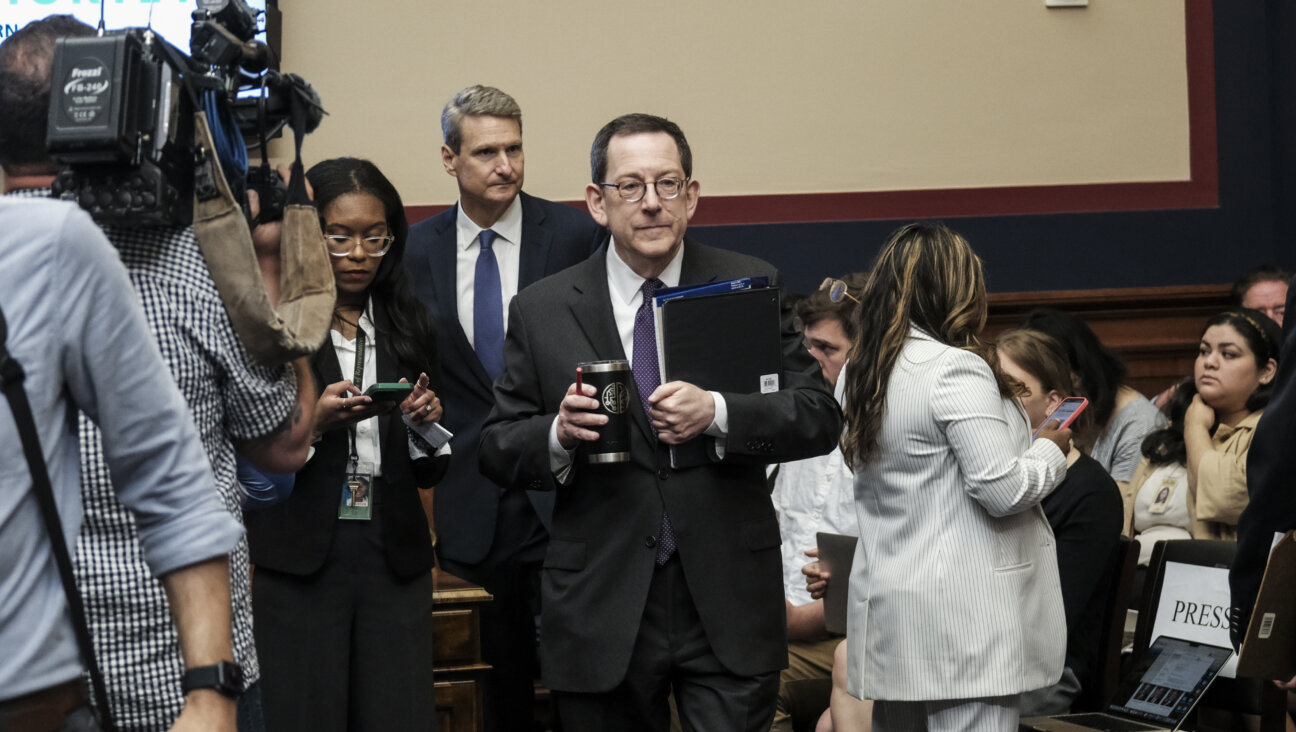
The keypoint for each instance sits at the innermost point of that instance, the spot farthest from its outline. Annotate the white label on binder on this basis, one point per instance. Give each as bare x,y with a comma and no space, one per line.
1266,625
769,383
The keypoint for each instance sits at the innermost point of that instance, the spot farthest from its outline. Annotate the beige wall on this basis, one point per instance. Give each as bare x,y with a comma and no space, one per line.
776,97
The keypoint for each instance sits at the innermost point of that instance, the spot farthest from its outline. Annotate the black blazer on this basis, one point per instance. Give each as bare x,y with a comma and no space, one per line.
602,548
1271,477
294,536
554,237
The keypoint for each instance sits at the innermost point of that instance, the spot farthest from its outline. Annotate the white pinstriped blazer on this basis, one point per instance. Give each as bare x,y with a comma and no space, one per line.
954,591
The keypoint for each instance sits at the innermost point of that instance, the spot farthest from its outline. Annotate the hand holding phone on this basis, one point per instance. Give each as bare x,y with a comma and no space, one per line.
389,392
1066,413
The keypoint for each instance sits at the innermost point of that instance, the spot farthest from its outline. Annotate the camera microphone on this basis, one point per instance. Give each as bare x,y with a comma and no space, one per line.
256,57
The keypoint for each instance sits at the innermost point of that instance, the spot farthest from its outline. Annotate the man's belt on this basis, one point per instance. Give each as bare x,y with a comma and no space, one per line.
42,710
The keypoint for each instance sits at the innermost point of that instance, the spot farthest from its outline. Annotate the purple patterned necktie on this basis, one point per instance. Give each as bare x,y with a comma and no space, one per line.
647,378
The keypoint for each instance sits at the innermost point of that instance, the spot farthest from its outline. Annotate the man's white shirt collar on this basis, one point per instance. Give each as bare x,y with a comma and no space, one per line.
508,227
625,285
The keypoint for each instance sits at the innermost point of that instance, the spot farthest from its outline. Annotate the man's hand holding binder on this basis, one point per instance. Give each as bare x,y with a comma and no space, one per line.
680,411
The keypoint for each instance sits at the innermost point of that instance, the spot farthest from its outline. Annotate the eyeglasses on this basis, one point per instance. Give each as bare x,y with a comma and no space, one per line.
632,191
836,289
340,245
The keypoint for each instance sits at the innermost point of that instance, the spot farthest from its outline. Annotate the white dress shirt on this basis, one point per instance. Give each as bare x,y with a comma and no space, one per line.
366,431
811,495
508,253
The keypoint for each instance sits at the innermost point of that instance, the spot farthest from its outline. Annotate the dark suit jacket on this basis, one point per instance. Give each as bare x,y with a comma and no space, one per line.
1271,476
554,237
602,547
294,536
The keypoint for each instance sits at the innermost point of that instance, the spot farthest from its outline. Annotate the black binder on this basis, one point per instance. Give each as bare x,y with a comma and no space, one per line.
727,342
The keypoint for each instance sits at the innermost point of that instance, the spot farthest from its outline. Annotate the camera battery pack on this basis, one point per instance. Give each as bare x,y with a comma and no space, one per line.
98,91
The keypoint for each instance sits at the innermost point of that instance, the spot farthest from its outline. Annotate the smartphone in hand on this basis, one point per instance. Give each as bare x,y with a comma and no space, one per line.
1067,411
389,392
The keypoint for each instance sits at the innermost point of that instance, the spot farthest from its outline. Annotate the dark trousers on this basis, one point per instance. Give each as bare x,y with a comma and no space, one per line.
672,654
511,573
349,647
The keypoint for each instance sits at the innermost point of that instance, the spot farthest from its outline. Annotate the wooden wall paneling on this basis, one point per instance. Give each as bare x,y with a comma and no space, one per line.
1154,329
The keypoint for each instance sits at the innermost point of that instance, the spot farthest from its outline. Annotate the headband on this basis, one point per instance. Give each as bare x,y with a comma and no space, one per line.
1264,335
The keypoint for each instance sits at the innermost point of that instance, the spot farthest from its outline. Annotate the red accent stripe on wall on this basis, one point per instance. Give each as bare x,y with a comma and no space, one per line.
1200,191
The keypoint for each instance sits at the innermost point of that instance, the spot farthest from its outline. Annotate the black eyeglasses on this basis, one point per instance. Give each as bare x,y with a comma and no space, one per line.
632,191
836,289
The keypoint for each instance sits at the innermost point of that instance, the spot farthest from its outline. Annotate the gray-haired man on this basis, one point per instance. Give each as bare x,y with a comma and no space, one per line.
494,538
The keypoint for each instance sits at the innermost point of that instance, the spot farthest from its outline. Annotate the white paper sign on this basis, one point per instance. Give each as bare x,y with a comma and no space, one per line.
1194,606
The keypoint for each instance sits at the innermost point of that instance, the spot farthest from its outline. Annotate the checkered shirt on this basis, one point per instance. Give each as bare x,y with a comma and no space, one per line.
231,398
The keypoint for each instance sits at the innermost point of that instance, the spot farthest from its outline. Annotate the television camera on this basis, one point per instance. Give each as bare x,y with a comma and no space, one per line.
122,107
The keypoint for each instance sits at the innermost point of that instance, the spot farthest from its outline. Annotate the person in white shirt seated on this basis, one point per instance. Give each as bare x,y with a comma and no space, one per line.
811,496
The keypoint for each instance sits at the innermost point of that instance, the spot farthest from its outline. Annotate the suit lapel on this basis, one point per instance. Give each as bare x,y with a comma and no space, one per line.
325,363
696,269
444,271
536,240
591,309
443,265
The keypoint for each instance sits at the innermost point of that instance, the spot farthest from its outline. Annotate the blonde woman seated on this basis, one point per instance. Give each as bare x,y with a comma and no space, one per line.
1084,513
1197,465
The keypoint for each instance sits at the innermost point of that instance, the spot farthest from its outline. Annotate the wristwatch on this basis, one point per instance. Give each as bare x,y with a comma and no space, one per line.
225,677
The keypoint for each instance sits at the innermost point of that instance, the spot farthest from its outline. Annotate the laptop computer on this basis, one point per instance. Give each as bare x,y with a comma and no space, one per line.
1156,695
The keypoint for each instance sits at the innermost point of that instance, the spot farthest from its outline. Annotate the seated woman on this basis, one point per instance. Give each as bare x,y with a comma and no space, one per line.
343,590
1123,416
1084,512
1198,462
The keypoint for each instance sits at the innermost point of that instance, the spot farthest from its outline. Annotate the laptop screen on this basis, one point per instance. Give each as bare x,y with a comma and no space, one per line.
1168,681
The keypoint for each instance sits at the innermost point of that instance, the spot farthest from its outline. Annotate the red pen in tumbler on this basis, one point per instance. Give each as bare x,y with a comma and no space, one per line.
580,383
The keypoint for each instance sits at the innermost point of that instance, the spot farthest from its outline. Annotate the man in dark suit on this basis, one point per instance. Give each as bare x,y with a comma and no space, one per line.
656,579
1271,483
491,537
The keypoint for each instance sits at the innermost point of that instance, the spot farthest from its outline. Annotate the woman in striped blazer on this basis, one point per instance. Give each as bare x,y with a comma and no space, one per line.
956,607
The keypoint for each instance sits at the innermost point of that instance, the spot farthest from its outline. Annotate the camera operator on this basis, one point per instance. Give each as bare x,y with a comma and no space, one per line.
75,328
263,413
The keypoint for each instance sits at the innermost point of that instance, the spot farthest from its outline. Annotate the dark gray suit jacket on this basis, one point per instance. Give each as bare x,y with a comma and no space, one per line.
554,237
1271,477
602,547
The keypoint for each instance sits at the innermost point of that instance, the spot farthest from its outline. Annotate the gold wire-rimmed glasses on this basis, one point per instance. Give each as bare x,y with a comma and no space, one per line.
836,289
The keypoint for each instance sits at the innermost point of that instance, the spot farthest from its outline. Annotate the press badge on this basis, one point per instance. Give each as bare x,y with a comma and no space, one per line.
357,492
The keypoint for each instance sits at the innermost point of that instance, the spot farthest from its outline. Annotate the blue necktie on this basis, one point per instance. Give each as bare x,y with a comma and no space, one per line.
488,309
647,376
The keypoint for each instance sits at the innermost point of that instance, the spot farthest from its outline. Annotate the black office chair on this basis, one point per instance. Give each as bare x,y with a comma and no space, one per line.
1201,552
1105,677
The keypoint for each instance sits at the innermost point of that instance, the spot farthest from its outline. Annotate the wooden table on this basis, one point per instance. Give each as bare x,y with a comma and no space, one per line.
457,661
